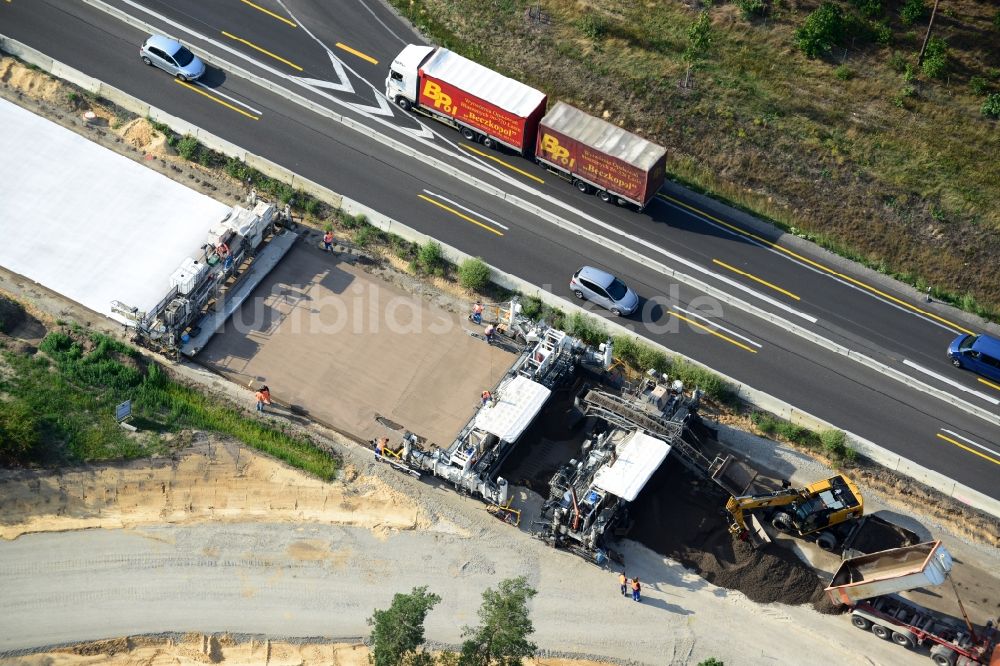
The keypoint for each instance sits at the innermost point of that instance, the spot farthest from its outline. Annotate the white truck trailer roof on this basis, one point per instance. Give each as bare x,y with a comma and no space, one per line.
482,82
603,137
518,401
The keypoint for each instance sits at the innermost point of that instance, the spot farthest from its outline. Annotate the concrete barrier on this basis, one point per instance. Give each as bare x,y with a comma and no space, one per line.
747,394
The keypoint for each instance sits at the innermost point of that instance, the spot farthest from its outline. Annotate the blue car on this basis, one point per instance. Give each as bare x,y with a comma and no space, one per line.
173,57
979,353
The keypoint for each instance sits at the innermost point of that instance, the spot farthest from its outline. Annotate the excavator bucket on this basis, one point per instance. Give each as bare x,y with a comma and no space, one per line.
756,533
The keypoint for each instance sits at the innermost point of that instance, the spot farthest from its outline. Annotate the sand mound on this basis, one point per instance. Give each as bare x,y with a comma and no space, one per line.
33,82
140,134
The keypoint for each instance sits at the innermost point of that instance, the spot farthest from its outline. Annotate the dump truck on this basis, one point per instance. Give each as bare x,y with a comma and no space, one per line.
599,157
483,105
820,511
869,585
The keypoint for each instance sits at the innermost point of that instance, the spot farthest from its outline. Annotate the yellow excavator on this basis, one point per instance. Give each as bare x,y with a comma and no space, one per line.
821,511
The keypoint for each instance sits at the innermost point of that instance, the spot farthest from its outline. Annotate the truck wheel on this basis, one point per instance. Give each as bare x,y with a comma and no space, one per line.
826,541
582,186
491,143
468,134
782,522
621,202
881,631
604,196
860,622
906,640
404,103
943,656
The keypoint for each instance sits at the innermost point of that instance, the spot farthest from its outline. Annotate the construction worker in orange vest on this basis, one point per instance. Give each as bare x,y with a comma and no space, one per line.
623,579
636,589
328,240
487,396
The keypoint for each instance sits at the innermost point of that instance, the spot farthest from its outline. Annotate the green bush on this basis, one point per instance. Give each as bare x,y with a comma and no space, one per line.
979,85
912,11
712,661
593,25
187,147
868,8
19,432
531,307
430,258
935,62
834,443
822,29
311,206
751,8
764,422
991,107
474,274
881,33
365,235
586,328
844,73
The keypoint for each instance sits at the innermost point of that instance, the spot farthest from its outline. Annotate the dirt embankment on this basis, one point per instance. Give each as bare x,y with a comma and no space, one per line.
215,480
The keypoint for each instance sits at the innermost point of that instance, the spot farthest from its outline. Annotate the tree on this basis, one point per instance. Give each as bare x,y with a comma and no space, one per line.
699,36
501,639
398,631
821,30
474,274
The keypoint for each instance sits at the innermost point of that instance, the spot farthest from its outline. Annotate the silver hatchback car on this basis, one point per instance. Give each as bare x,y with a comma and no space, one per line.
604,289
171,56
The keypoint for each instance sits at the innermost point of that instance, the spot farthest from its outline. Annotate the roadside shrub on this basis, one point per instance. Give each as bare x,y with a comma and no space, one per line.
19,432
844,73
821,30
764,422
593,25
531,307
935,62
473,274
311,206
881,33
365,235
834,443
795,433
430,258
586,328
711,661
187,147
979,85
991,107
868,8
751,8
696,377
912,11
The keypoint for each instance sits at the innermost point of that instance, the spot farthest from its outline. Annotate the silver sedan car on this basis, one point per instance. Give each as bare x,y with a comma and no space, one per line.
171,56
604,289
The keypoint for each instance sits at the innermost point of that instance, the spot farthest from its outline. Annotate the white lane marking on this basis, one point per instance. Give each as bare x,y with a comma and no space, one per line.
715,325
374,16
951,382
966,439
216,91
467,210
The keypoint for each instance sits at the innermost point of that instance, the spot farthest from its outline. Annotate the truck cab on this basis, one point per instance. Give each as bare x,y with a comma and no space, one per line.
402,83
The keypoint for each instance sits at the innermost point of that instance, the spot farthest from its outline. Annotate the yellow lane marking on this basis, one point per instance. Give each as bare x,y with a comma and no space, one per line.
216,99
990,384
269,13
265,52
357,53
461,215
963,446
756,279
502,163
715,333
816,264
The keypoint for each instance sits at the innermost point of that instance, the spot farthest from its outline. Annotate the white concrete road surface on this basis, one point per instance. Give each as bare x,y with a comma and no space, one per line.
314,580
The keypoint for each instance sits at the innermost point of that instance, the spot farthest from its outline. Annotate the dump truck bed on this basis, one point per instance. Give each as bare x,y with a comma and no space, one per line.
889,572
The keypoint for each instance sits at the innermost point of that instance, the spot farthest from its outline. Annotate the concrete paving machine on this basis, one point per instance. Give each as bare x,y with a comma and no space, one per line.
822,511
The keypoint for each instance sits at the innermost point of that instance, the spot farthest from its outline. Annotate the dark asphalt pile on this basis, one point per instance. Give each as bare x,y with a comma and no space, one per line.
877,534
684,520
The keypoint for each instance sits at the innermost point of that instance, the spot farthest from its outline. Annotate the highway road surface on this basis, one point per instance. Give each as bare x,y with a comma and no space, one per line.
321,115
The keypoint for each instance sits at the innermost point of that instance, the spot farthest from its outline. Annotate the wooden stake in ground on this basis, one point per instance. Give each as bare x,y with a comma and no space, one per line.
927,36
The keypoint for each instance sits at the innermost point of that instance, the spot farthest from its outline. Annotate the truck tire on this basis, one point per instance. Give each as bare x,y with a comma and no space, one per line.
861,622
491,143
882,632
782,522
404,103
905,639
604,196
468,134
943,656
826,541
582,186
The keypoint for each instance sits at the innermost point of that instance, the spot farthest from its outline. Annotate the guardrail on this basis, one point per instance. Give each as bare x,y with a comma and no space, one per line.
747,394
